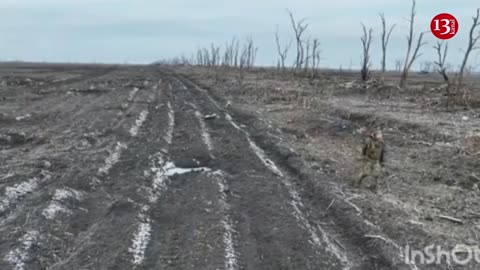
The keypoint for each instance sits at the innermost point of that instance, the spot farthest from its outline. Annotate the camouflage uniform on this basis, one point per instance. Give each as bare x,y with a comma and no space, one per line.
372,161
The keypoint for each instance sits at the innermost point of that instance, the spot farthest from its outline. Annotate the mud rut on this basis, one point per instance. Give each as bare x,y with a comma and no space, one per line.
164,188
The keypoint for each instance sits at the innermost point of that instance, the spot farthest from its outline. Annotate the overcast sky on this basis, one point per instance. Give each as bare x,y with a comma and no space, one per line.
142,31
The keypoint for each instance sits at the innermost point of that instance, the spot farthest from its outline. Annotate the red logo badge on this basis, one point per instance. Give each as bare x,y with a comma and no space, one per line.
444,26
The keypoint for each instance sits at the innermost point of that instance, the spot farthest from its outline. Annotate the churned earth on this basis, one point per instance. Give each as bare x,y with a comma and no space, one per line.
147,167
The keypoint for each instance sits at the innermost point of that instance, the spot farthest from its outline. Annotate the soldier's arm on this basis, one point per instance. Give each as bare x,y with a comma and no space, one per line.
365,146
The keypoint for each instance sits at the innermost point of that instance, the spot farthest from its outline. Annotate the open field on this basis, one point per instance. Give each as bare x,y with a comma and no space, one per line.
146,167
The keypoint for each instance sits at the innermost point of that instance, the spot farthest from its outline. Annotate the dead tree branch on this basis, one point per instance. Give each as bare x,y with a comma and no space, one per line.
299,29
442,51
366,42
409,59
385,39
472,41
307,57
282,52
315,56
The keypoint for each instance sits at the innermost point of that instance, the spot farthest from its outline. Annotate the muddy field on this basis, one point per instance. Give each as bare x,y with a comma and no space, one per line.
147,167
429,195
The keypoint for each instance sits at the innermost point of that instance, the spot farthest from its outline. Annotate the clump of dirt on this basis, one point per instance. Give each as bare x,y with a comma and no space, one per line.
472,143
13,138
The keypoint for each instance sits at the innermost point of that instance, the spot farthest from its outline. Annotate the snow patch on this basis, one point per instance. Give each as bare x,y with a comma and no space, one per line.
16,192
171,124
298,214
203,129
55,205
161,170
332,248
208,96
113,158
170,169
61,194
296,201
19,256
263,157
231,261
138,123
142,235
131,96
20,118
53,208
140,241
159,181
257,150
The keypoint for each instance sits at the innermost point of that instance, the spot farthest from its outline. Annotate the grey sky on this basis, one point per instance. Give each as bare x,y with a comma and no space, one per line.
142,31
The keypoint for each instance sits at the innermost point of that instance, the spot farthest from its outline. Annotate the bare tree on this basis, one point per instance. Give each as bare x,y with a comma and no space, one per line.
215,53
282,52
252,52
366,42
409,59
299,29
199,60
315,56
248,54
206,57
472,40
236,53
307,56
229,53
385,38
226,56
442,51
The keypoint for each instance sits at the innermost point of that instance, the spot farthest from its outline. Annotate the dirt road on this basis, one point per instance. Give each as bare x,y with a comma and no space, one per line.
138,168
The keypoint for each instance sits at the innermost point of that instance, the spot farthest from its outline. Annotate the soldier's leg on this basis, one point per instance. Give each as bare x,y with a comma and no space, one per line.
358,181
377,173
370,171
364,172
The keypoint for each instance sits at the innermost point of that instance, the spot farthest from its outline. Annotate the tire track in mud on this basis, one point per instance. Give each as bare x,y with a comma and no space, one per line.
159,185
112,159
119,229
57,203
325,253
358,254
17,192
61,197
203,131
296,203
17,257
163,170
34,188
231,256
142,234
181,219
